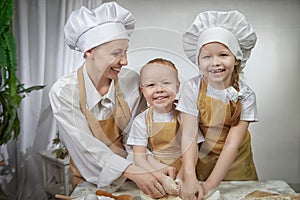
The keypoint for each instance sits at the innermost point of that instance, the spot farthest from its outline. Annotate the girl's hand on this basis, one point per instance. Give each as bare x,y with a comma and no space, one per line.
191,189
208,191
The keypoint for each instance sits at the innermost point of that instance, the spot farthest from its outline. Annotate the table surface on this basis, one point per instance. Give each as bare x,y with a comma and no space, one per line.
228,189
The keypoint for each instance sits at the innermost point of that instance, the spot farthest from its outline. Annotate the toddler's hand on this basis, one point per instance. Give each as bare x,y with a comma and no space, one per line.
169,171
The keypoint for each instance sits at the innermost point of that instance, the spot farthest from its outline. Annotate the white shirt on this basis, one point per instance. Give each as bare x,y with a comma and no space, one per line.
188,100
95,161
138,133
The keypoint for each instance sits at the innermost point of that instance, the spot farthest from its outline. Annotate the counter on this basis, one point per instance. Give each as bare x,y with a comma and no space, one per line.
232,190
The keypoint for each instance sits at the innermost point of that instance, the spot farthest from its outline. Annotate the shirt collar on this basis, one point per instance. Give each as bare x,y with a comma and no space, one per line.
94,96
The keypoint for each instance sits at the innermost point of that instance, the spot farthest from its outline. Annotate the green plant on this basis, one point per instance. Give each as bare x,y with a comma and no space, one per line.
12,90
61,151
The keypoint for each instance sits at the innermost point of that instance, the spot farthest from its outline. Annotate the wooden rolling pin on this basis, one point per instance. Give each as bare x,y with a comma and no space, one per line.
60,196
120,197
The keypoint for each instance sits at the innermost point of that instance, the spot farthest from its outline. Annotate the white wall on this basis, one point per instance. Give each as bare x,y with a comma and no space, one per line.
273,70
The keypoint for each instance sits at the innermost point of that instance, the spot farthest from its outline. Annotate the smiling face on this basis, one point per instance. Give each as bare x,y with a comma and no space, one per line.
217,63
159,85
105,61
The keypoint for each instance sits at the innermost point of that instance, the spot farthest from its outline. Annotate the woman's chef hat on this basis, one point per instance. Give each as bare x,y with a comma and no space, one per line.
229,28
86,28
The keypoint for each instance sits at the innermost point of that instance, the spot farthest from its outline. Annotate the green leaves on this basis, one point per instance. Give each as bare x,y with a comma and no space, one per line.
11,90
62,151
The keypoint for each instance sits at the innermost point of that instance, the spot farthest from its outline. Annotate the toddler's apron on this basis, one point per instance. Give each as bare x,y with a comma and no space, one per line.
215,120
107,131
164,141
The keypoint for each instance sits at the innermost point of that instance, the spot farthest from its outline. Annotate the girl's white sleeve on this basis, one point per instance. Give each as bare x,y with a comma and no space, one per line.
188,97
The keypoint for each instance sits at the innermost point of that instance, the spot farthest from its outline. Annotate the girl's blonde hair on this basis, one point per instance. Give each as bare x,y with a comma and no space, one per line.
235,76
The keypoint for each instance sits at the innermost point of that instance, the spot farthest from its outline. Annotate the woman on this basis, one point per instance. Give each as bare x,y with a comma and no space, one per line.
94,106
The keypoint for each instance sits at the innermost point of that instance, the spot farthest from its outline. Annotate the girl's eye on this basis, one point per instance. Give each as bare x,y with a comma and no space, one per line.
224,55
116,54
167,83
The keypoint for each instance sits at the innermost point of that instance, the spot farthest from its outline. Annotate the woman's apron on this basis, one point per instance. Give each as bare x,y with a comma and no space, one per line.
164,140
107,131
215,120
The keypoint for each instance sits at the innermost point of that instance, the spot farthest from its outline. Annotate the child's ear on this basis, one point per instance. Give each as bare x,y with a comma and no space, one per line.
141,89
237,62
89,53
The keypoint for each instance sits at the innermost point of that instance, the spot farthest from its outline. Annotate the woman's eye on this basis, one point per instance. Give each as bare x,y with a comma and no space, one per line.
116,54
119,53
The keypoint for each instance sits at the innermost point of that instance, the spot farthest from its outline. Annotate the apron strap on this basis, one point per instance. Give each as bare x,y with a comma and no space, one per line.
237,107
91,119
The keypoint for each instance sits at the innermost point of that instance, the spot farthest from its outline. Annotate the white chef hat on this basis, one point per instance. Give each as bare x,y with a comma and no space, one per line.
229,28
86,28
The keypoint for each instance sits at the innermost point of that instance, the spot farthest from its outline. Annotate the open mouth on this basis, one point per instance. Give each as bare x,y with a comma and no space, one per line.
115,69
160,98
215,71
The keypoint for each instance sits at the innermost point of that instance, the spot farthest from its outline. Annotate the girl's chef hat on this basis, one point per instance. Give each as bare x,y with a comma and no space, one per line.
86,28
229,28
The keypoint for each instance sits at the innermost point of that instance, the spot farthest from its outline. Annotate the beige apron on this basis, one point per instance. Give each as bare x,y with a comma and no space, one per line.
107,131
215,120
164,141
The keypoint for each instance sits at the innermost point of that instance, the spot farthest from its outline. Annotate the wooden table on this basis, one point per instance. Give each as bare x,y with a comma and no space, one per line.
231,190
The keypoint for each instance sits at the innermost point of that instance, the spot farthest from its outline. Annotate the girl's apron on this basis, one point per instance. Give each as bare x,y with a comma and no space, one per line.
164,141
107,131
215,120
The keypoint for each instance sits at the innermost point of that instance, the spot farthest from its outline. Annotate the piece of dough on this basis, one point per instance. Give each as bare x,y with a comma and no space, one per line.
262,195
170,186
169,197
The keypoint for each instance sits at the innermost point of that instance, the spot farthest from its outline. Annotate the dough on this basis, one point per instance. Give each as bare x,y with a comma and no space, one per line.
214,195
91,197
170,186
169,197
261,195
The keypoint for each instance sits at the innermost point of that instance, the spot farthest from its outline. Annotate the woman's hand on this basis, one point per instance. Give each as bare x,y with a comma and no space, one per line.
145,181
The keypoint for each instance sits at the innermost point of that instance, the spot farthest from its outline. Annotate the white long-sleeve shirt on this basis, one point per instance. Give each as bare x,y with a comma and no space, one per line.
95,161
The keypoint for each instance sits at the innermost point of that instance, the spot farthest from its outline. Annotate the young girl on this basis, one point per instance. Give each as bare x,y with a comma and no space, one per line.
218,102
158,126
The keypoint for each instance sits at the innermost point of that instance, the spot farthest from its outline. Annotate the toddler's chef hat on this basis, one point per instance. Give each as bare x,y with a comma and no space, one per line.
86,28
229,28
